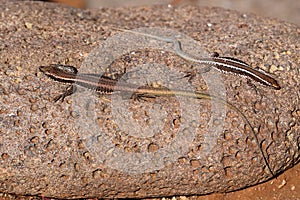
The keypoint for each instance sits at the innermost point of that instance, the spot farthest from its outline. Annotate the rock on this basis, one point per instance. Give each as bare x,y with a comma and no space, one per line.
85,147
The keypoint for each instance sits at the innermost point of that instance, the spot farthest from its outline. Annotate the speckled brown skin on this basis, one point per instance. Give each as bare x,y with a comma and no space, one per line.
42,152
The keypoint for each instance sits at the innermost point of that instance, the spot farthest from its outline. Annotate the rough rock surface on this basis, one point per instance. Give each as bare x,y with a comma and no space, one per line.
47,149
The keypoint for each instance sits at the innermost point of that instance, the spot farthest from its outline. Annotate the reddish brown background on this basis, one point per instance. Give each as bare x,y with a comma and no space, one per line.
287,10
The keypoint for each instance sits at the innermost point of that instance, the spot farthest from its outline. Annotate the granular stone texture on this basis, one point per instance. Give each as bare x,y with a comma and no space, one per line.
86,146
